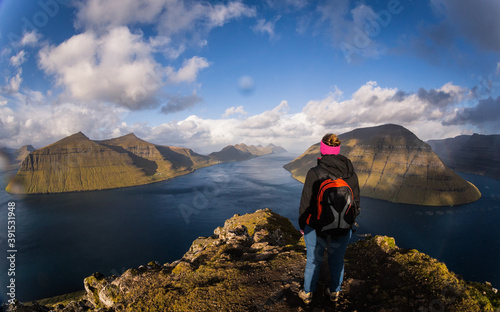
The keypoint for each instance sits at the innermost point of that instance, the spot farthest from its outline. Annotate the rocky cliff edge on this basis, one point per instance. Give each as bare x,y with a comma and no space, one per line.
255,262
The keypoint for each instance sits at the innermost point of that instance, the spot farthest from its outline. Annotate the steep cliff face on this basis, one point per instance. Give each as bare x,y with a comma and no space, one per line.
479,154
76,163
20,154
395,165
165,160
255,262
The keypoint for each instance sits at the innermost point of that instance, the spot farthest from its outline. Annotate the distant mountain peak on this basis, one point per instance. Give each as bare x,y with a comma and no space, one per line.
78,137
130,135
127,139
27,148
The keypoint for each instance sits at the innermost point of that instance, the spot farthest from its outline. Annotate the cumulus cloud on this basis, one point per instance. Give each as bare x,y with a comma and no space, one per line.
486,111
18,59
178,103
99,14
195,18
189,70
13,83
429,113
30,38
443,97
116,67
372,104
234,110
31,118
434,113
171,18
207,135
266,119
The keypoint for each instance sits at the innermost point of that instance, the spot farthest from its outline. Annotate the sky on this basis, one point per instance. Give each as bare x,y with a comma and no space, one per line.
206,74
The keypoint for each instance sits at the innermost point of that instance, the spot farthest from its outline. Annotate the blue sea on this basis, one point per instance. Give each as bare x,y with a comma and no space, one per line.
62,238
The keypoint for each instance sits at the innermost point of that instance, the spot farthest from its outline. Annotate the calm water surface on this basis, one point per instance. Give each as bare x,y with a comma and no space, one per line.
63,238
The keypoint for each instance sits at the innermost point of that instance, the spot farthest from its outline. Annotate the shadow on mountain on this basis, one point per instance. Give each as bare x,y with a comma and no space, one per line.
147,166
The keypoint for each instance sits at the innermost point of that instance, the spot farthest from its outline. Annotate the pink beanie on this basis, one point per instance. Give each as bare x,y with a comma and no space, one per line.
329,150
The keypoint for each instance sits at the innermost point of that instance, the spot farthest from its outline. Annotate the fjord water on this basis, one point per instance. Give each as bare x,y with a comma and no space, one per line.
63,238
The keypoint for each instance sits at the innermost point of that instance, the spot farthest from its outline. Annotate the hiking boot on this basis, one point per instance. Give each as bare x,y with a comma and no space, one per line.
334,296
306,296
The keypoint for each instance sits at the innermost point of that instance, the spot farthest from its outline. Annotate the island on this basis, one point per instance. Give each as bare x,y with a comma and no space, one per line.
393,164
76,163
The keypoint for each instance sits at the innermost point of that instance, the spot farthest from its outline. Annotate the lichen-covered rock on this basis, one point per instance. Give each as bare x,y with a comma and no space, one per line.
255,262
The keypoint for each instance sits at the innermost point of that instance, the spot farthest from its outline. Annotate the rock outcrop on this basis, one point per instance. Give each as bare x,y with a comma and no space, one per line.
479,154
255,262
395,165
77,163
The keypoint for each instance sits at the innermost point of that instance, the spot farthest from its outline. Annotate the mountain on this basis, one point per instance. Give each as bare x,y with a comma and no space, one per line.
255,262
243,152
395,165
479,154
12,159
77,163
276,149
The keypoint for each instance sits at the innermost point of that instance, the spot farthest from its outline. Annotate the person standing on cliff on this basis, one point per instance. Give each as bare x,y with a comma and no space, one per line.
330,163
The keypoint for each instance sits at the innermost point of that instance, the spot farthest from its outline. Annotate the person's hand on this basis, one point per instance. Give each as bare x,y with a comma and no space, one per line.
302,232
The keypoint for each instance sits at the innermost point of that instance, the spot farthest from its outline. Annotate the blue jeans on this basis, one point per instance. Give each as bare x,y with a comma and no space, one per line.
316,246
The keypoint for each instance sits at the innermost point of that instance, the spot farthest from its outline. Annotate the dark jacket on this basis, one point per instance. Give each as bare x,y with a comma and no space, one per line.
337,165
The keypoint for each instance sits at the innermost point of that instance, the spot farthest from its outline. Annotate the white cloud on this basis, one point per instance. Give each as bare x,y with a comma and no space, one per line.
32,118
116,67
30,39
234,110
220,14
18,59
13,84
266,27
266,119
98,14
180,17
178,103
171,18
189,70
207,135
498,68
372,105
